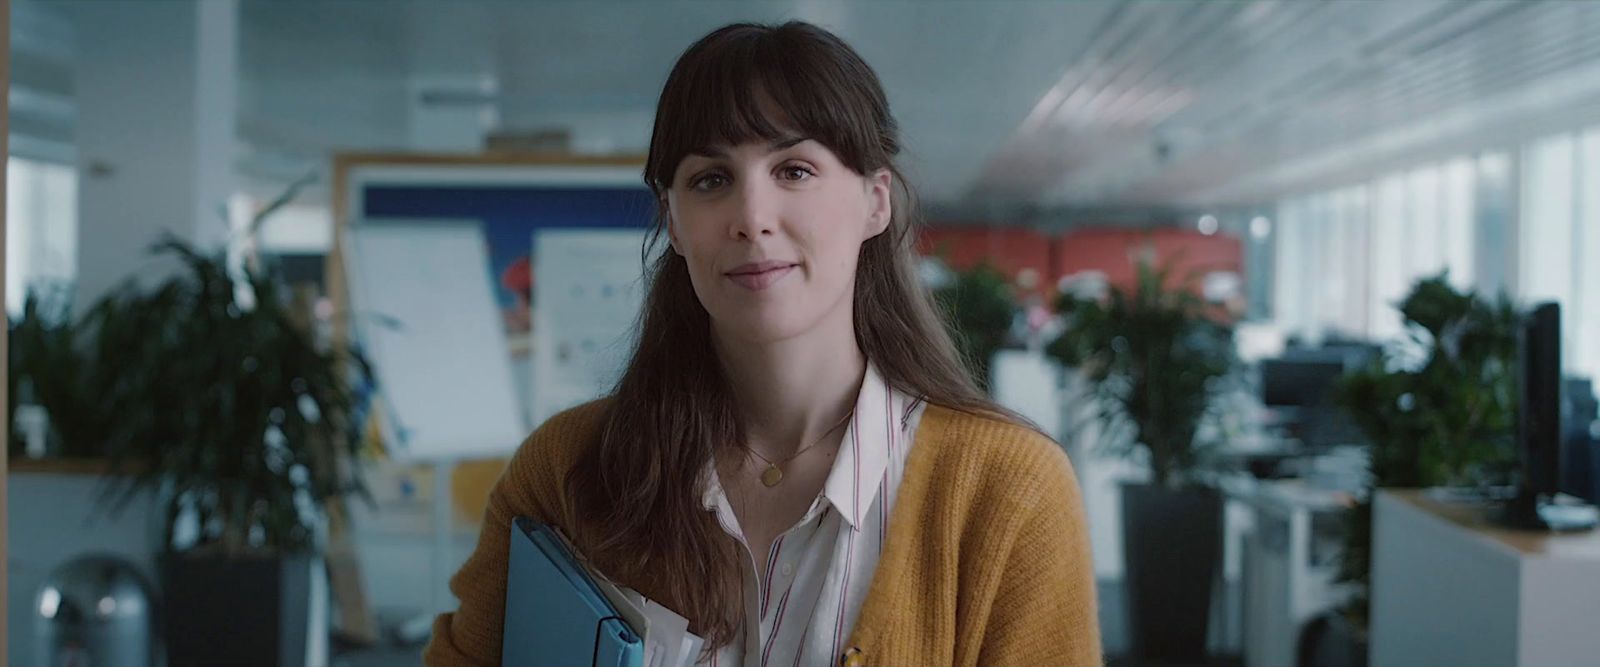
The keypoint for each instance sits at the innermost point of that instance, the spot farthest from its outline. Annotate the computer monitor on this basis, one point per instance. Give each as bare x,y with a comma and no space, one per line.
1300,382
1539,410
1539,443
1301,388
1580,467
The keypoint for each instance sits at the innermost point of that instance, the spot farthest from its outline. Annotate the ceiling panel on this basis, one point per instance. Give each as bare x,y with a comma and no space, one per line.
1004,103
1320,79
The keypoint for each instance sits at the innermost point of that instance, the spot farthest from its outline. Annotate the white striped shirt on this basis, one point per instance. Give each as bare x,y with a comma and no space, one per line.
801,609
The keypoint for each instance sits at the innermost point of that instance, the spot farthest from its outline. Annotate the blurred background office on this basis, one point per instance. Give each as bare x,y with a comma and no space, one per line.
1309,292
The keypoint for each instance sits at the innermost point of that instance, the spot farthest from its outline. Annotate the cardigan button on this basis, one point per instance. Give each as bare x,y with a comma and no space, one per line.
853,658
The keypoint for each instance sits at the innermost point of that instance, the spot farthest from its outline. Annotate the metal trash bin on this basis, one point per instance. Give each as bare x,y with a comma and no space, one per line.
94,611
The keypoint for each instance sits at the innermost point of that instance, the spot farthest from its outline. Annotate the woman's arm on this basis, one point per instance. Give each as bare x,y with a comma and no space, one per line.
1045,611
531,486
471,635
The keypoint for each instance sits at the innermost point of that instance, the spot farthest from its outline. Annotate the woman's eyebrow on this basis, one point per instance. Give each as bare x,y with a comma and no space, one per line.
777,145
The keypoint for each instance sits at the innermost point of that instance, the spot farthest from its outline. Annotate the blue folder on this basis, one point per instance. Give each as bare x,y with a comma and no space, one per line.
555,614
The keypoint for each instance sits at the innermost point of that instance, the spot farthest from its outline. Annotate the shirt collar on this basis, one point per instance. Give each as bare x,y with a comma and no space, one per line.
863,457
864,453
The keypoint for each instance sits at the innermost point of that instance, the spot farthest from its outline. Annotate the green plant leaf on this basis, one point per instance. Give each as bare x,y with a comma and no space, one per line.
1153,356
1446,419
227,409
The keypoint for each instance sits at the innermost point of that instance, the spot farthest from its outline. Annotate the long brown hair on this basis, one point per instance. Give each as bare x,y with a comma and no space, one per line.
642,484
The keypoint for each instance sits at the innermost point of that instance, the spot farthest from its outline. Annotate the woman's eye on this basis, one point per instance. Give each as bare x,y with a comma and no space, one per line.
795,173
707,182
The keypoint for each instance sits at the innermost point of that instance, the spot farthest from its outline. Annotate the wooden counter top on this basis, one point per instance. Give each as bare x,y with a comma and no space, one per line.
1480,519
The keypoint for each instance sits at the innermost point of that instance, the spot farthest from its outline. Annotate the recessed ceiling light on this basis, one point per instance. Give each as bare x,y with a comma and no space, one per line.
1260,227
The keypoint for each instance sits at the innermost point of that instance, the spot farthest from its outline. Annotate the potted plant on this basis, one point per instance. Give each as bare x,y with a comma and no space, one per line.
1439,409
220,400
49,373
981,307
1154,356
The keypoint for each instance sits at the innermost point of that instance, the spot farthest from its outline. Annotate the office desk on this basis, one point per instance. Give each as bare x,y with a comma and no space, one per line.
1288,563
1452,588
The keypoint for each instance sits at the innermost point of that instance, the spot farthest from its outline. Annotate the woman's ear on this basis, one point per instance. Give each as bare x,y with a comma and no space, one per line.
672,228
880,206
672,236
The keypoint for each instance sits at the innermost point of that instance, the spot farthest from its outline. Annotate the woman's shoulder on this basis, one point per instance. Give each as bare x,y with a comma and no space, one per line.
986,436
1007,461
574,422
533,479
555,444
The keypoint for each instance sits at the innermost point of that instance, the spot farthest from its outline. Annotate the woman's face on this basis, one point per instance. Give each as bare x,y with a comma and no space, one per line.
771,233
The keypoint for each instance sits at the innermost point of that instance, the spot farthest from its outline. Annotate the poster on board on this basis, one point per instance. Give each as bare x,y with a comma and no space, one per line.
511,202
591,286
421,310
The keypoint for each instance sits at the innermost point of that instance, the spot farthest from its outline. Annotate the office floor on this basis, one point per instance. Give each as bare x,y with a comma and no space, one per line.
394,657
1113,634
1114,630
1214,661
380,657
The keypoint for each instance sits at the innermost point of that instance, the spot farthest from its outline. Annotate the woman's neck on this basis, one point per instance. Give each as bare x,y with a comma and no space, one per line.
791,392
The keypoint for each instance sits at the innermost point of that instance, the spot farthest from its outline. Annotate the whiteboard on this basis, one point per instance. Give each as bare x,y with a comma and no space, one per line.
588,288
442,369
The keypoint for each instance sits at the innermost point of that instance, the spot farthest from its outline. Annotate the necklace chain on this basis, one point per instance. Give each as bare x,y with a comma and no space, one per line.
773,475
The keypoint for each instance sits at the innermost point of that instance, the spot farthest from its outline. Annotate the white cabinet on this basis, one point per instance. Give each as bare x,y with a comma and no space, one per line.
1290,561
1451,587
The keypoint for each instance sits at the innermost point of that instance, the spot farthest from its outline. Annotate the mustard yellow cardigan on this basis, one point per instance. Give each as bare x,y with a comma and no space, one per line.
986,561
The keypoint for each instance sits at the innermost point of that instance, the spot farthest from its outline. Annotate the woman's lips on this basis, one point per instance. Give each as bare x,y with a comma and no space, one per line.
759,277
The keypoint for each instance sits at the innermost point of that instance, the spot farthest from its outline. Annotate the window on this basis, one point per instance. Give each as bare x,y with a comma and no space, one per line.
1546,224
1324,247
1458,215
1387,257
1494,204
1350,206
41,227
1559,241
1547,230
1424,237
1347,257
1291,289
1585,311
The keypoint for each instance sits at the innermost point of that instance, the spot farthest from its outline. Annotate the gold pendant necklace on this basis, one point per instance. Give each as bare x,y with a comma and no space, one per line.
773,476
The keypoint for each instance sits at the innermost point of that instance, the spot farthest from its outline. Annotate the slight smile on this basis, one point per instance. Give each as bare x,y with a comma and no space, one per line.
758,276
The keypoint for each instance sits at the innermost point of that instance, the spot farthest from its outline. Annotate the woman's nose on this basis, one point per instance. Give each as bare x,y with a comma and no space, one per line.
755,213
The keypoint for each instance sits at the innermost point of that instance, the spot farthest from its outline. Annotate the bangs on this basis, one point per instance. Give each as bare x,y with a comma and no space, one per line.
752,83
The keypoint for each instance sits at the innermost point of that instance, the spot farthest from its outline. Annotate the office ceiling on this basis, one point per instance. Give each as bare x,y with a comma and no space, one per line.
1033,103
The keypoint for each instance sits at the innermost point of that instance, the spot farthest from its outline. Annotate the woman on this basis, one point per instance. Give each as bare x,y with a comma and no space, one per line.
795,458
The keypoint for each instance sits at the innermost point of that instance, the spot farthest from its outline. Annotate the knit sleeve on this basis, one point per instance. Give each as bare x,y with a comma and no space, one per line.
471,635
1045,611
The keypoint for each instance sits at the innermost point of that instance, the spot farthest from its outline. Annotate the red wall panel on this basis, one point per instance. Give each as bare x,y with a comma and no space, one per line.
1116,251
1008,249
1113,251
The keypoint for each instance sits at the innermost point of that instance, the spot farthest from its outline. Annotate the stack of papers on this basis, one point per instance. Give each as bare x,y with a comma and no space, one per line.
561,612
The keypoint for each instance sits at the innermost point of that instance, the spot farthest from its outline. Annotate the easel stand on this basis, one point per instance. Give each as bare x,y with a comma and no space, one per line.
439,558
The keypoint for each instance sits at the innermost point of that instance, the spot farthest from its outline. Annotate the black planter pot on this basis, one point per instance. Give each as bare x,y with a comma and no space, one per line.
1331,640
1172,548
236,611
